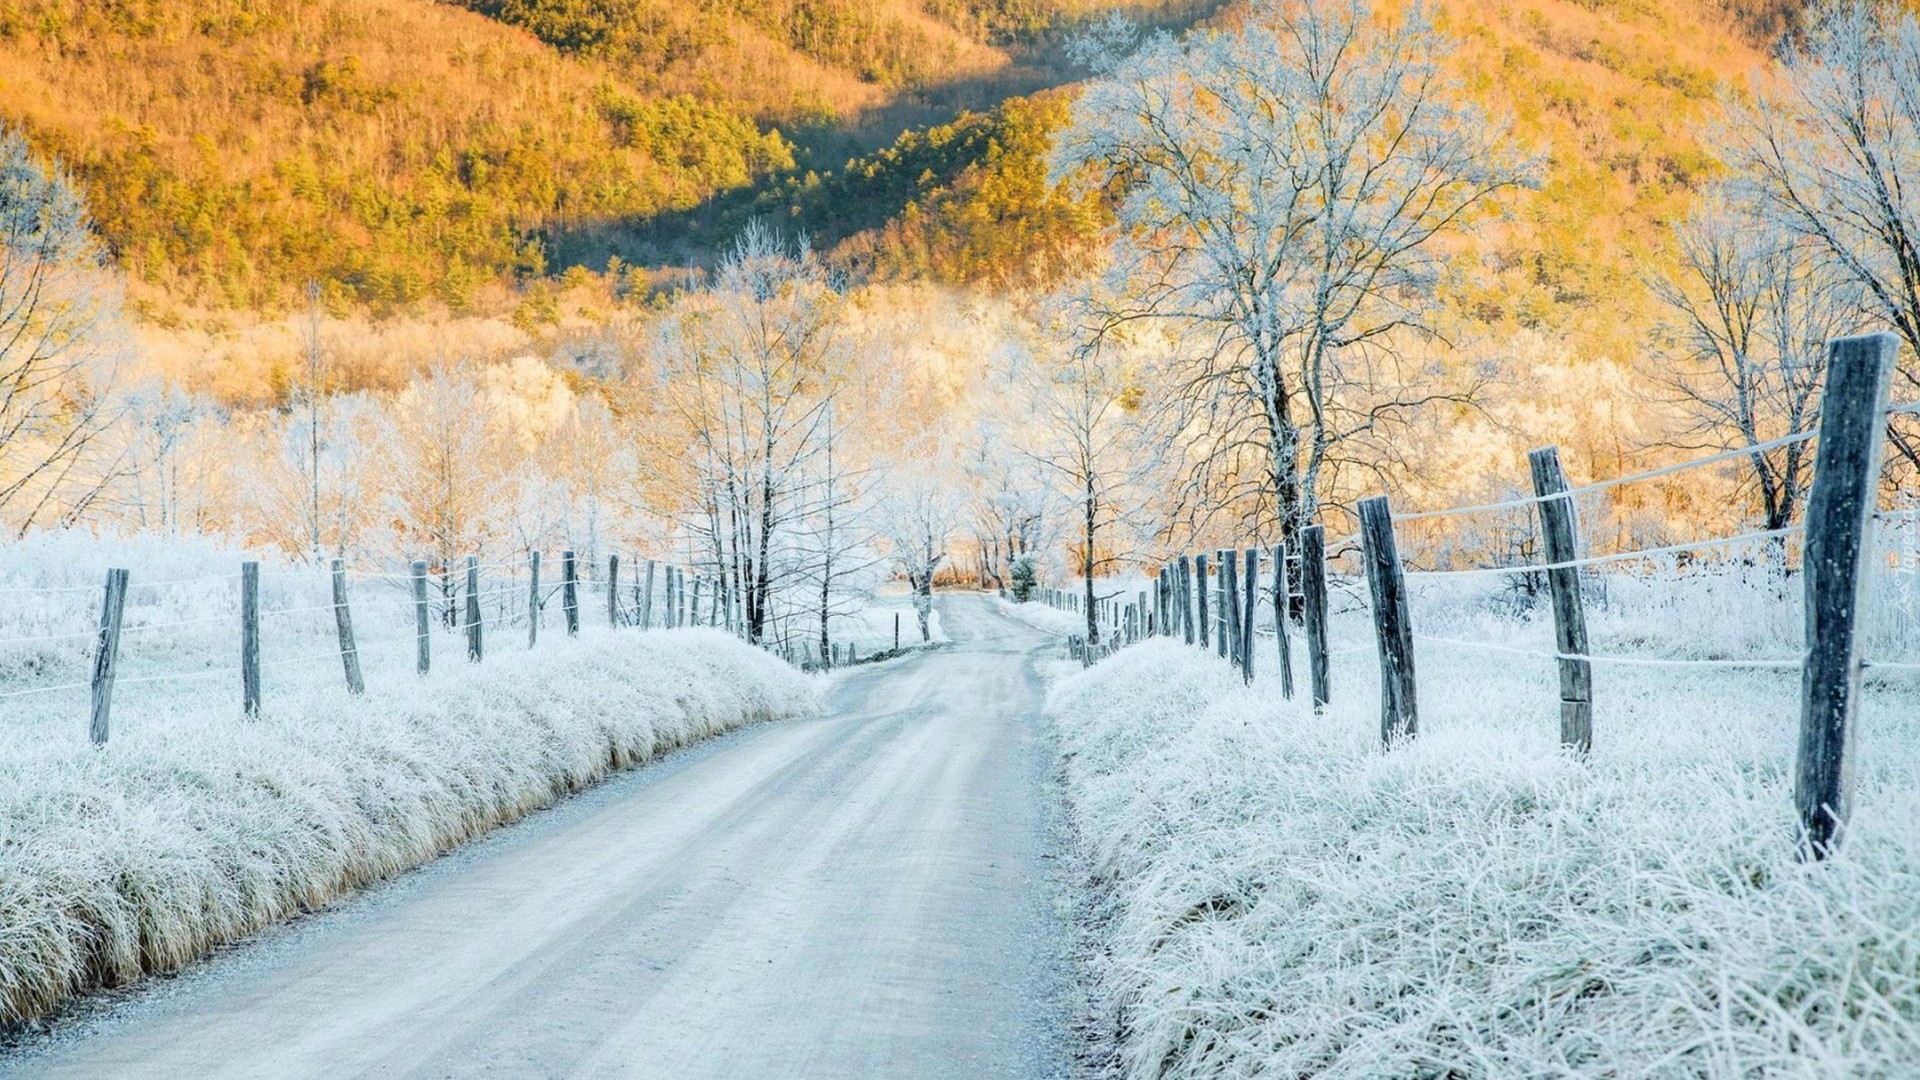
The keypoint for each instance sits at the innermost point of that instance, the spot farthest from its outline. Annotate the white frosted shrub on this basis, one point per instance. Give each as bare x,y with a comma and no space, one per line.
194,827
1274,895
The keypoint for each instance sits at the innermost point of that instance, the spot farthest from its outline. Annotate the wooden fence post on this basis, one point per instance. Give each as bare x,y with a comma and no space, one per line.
1393,628
1185,585
343,626
1224,565
1247,638
1559,528
1230,643
422,630
1313,610
533,599
475,645
693,609
1200,586
896,631
613,590
106,655
1839,553
646,599
250,637
570,591
1280,620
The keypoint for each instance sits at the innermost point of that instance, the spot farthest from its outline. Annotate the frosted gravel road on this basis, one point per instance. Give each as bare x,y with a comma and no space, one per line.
863,895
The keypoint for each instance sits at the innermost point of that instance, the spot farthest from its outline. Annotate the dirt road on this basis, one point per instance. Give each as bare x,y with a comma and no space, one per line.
862,895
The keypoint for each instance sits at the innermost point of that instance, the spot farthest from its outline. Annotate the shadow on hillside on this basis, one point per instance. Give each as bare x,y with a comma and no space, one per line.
693,237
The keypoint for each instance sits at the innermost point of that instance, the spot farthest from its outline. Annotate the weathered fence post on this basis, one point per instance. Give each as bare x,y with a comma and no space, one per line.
693,609
1393,628
1247,638
475,646
570,591
422,632
646,599
1313,610
106,654
1559,528
343,626
1200,586
1839,550
1230,643
1280,619
896,631
613,590
533,599
1186,597
250,637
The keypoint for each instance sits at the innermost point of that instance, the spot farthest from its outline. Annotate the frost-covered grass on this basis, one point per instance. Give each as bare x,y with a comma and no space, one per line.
195,826
1275,895
1042,617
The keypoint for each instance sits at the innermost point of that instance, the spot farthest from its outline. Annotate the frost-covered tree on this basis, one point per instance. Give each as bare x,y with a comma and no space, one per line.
1752,309
1082,427
1830,148
446,474
745,374
309,476
59,344
1285,192
920,514
1009,503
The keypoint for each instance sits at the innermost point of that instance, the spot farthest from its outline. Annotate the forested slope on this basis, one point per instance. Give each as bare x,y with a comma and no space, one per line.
410,153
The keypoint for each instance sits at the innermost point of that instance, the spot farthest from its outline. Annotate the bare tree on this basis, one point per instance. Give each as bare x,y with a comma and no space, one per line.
1832,150
1283,189
1753,307
1084,430
746,371
448,483
921,516
59,343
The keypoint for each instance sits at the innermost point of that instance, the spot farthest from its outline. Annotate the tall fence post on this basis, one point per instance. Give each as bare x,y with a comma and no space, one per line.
1230,624
1200,587
693,609
106,655
475,644
1221,618
1839,550
1252,605
613,590
646,599
1280,620
1185,586
422,627
570,591
1393,628
533,599
1559,528
896,631
1313,610
250,637
343,626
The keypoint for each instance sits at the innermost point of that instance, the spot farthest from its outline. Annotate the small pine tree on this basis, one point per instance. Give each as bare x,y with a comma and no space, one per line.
1022,578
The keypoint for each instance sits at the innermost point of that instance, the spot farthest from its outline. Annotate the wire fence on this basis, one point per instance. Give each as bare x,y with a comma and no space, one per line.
305,608
1215,600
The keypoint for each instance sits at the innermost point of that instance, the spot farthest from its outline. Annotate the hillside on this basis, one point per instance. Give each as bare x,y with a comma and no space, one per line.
413,153
409,151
